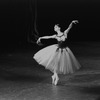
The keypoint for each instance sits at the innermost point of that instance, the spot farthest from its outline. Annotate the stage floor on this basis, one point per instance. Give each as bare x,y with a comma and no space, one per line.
21,78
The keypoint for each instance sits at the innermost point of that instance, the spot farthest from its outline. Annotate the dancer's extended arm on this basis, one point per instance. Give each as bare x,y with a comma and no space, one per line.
70,26
45,37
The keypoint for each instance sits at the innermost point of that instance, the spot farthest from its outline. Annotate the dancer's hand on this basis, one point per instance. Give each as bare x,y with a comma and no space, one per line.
75,21
38,41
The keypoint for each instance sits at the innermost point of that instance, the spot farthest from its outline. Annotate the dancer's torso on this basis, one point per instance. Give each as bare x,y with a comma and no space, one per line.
61,41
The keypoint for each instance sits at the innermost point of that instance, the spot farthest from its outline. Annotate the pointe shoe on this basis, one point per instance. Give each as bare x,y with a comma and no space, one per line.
56,81
53,79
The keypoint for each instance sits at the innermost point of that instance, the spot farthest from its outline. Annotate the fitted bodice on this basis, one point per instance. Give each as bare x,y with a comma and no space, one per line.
61,38
61,41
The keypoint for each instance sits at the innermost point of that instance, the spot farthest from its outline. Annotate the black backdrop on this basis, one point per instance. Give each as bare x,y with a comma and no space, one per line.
17,19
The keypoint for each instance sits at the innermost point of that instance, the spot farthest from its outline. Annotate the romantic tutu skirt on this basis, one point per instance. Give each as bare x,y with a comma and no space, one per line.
57,59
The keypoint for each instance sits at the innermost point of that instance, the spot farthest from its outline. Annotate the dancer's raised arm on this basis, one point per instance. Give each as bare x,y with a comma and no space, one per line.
70,26
45,37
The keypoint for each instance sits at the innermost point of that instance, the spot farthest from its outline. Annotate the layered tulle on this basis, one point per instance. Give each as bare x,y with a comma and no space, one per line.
56,59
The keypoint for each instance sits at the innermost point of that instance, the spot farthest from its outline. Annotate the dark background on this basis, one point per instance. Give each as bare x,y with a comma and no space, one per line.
17,20
20,75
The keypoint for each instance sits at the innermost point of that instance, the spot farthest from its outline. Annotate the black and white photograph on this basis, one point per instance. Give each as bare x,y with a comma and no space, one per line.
49,50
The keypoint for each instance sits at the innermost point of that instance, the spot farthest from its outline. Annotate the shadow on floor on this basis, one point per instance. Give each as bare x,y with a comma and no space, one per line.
95,90
11,76
92,90
98,98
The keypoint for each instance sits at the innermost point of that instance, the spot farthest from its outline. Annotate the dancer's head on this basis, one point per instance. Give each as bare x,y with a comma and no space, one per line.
56,28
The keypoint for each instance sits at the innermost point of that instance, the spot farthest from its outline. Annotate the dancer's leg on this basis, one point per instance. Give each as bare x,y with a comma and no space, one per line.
55,78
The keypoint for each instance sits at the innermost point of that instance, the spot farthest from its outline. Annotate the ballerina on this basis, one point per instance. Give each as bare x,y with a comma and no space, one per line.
58,58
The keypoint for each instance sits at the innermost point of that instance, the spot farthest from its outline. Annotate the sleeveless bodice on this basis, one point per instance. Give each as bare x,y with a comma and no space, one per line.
61,41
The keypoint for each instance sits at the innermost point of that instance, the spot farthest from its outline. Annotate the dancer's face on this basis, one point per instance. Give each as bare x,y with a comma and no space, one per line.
56,28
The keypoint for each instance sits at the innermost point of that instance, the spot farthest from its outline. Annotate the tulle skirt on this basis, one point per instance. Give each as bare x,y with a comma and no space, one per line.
57,59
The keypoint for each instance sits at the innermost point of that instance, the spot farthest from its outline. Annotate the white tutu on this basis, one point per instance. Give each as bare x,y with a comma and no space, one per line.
57,59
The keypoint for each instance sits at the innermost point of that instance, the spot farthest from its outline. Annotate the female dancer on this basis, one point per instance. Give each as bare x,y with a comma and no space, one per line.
58,58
